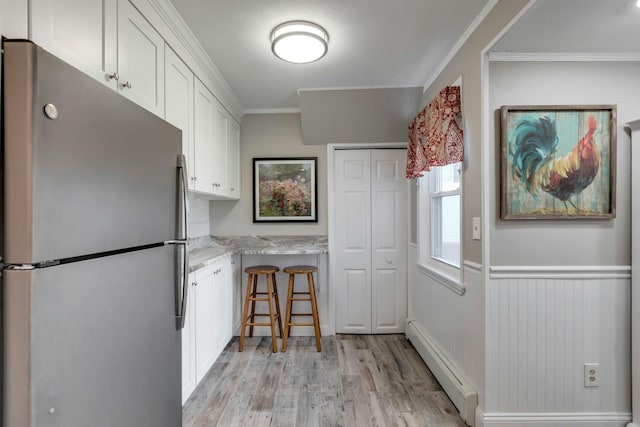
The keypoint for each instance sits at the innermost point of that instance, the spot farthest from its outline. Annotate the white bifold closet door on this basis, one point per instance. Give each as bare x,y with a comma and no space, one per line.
371,241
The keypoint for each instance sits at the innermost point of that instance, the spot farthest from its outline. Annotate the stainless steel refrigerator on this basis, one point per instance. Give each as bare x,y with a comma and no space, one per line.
94,254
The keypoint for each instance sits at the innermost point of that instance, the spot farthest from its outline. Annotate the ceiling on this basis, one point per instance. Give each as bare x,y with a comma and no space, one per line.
576,26
386,43
372,43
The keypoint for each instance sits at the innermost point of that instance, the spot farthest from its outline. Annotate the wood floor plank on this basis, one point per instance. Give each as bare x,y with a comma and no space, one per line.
267,386
356,381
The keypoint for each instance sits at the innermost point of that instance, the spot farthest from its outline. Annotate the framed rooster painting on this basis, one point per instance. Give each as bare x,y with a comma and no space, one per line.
558,162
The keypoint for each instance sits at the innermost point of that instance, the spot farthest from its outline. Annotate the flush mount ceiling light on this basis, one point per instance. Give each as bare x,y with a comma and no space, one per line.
299,42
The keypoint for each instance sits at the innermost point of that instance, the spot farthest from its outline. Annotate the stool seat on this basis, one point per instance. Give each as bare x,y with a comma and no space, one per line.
270,296
300,269
292,296
261,269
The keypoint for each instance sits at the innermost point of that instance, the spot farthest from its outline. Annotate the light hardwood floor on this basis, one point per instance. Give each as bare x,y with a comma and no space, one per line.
357,380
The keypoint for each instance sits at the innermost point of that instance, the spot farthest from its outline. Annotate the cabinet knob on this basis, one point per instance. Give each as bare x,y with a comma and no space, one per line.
389,260
193,178
126,85
113,76
194,284
232,189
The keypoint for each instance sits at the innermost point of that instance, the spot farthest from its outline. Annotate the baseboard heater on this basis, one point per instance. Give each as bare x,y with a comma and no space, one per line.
463,396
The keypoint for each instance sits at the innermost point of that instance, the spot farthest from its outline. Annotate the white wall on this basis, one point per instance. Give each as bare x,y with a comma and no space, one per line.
558,292
457,323
589,242
269,135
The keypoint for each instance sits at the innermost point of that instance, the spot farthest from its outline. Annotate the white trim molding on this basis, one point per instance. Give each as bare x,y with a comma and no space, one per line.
437,276
561,272
183,34
563,419
564,56
461,41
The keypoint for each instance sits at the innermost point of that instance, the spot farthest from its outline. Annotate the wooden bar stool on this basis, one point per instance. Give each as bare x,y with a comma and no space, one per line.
270,296
291,296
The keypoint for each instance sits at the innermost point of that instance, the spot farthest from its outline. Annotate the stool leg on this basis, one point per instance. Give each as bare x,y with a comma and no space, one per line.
271,315
245,314
253,304
277,300
287,319
314,309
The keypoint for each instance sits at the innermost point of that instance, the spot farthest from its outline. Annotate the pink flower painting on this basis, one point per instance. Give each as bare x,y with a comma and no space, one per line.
285,190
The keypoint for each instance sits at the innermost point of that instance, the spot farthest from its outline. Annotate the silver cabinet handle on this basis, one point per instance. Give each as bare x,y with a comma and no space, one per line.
194,283
126,85
113,76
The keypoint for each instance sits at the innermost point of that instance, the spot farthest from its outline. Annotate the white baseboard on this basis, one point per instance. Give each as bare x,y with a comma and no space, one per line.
590,419
463,396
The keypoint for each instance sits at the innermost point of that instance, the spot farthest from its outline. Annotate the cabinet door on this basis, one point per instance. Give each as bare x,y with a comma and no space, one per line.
233,161
219,165
222,307
189,344
178,104
204,108
140,59
236,291
84,34
204,319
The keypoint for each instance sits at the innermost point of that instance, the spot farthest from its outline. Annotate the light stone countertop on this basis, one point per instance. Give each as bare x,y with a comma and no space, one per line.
204,251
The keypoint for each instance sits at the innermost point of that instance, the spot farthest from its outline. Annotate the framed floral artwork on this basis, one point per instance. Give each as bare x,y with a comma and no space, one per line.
558,162
285,189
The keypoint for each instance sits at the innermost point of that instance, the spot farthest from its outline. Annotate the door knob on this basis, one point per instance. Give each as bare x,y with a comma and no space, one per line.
388,260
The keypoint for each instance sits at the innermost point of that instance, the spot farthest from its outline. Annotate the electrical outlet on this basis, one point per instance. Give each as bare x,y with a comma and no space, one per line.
476,228
591,374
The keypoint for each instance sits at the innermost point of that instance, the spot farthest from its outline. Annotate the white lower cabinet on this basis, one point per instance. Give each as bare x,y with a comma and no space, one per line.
208,328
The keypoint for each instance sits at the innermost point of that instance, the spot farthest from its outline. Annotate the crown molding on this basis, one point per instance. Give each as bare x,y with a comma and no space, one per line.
272,111
461,41
173,20
564,56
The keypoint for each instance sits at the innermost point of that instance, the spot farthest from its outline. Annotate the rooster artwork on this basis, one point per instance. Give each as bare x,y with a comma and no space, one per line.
558,164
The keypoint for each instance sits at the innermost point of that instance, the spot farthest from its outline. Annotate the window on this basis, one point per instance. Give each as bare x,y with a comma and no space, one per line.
439,218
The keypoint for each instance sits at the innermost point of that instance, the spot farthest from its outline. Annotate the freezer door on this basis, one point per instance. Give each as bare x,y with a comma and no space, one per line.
86,170
93,343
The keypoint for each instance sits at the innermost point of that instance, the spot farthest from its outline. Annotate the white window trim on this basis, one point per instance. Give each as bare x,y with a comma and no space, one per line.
441,272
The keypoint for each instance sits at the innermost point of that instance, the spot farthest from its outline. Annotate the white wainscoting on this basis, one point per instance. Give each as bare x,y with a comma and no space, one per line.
544,323
323,293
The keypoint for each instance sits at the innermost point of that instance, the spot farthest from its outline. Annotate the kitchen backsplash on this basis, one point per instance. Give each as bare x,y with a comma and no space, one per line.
198,217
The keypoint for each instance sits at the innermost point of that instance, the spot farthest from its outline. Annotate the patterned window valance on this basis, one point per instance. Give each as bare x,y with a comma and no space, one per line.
435,135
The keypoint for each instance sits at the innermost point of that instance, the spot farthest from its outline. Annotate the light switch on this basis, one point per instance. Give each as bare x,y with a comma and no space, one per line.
476,228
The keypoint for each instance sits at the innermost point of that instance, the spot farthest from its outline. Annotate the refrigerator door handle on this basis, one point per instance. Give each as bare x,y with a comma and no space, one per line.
182,314
182,282
182,166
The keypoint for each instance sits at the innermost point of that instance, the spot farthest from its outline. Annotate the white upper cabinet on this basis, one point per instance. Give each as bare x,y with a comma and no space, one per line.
140,59
83,33
216,147
204,109
107,39
113,42
233,158
219,164
178,104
